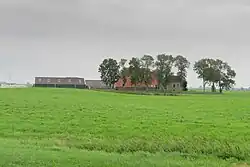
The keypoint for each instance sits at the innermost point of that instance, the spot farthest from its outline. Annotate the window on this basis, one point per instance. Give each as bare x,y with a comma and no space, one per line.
58,80
48,80
69,80
80,81
173,85
39,80
178,85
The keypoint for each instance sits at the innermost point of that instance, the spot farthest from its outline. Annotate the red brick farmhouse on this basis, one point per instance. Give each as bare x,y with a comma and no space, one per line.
174,83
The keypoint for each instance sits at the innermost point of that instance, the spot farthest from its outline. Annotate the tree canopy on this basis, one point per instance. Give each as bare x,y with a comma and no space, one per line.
124,71
182,64
109,70
147,64
212,72
215,72
164,65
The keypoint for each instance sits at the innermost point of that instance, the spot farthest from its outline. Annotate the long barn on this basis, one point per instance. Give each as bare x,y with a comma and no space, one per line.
60,82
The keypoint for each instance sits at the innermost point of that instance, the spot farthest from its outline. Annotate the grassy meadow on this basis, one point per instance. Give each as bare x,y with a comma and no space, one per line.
69,128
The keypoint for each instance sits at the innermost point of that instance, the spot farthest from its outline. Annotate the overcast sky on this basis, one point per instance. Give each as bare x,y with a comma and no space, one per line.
72,37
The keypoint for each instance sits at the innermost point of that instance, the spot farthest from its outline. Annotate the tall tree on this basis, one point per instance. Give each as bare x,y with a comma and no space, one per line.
215,72
124,71
182,64
227,80
164,66
224,75
147,63
135,71
109,70
201,67
212,73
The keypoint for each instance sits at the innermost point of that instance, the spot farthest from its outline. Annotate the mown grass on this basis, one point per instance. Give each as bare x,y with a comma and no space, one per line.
67,127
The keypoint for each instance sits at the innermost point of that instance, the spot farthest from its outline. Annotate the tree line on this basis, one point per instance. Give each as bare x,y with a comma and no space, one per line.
212,72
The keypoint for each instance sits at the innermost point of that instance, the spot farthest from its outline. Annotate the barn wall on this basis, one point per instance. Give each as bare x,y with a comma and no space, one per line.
60,86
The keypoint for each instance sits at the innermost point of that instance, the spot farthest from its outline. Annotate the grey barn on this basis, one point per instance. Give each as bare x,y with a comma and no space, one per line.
96,84
60,82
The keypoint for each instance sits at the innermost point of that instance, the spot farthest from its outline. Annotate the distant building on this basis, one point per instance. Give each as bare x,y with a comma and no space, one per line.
60,82
96,84
3,83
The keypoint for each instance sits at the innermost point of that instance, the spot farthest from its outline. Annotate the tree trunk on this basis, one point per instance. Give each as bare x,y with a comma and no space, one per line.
146,87
204,87
220,86
124,82
164,90
213,89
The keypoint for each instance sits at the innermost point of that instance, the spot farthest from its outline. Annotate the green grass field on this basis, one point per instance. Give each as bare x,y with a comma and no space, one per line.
69,128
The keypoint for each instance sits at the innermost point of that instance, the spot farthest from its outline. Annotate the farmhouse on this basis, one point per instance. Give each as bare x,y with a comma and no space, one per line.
174,84
60,82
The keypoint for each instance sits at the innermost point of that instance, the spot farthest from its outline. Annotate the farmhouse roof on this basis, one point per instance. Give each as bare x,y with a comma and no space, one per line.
174,78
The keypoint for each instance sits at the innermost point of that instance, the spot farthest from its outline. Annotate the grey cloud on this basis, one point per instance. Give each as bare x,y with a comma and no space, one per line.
117,18
83,32
39,19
